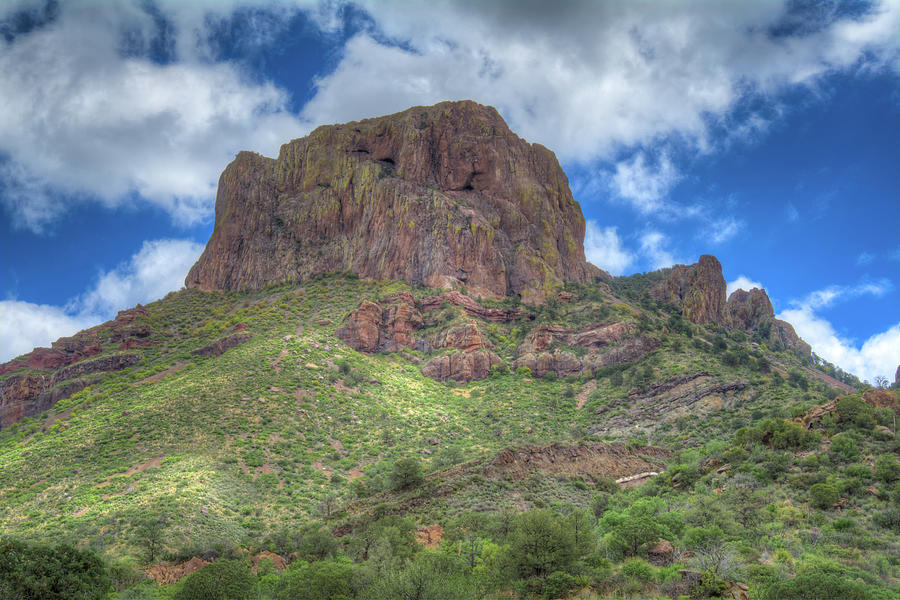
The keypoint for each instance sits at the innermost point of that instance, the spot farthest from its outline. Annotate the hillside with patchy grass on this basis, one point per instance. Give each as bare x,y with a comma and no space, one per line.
245,414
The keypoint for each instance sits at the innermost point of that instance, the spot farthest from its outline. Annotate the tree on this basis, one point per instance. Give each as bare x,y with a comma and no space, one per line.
41,572
150,535
541,543
406,474
881,382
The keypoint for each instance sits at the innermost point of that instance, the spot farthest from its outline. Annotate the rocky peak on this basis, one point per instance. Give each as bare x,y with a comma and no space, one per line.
745,310
444,195
698,289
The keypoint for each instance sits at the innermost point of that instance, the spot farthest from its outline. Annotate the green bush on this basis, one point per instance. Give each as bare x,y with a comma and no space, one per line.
406,474
321,580
844,448
814,585
887,468
823,495
540,543
854,411
38,572
223,579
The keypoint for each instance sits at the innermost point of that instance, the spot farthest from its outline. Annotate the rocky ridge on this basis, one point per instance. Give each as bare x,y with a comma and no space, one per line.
699,291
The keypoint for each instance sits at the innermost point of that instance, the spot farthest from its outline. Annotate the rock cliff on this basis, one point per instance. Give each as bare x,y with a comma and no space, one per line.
444,195
698,289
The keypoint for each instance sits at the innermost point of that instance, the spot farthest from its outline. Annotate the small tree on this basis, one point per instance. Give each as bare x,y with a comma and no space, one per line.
149,535
406,474
541,543
823,495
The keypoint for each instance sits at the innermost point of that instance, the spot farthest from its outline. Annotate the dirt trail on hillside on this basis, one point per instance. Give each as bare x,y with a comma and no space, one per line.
153,462
594,460
585,393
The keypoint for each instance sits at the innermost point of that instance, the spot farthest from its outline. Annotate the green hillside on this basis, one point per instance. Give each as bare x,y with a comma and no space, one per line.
230,454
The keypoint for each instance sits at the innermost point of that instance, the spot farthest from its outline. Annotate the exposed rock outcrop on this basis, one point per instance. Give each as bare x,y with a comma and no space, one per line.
698,289
463,366
596,460
745,310
28,394
218,347
444,196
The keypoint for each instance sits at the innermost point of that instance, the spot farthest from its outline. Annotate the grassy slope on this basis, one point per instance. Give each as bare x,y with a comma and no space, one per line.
232,447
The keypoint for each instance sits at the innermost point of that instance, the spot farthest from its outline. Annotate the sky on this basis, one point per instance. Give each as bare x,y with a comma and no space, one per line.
765,133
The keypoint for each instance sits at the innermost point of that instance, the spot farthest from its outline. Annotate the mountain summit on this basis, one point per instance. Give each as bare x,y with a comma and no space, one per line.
444,195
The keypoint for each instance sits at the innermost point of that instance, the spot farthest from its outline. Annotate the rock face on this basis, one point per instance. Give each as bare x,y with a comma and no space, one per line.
745,310
444,196
68,366
698,289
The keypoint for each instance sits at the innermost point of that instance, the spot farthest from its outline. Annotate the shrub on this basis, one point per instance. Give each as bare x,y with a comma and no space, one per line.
852,410
887,468
221,580
638,569
823,495
37,572
844,448
322,580
406,474
813,584
541,543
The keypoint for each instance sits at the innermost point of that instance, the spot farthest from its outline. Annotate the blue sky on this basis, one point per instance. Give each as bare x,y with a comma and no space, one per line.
764,133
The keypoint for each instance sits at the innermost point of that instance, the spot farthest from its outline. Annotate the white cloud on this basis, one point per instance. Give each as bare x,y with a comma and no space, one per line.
593,77
24,326
864,258
654,247
593,81
878,355
741,283
643,184
603,248
722,230
83,121
156,269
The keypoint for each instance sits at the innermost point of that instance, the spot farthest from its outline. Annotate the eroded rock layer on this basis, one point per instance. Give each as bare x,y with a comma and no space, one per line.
444,195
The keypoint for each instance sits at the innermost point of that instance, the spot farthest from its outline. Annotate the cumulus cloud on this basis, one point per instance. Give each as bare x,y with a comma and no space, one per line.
603,248
141,93
85,118
592,77
157,268
25,326
722,230
643,184
741,283
878,355
654,247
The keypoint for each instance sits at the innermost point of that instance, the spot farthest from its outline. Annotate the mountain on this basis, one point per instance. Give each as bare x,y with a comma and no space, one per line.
334,380
444,196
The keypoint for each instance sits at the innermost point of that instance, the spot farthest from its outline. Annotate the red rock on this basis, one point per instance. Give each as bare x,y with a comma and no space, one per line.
461,366
464,337
471,308
444,196
45,358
